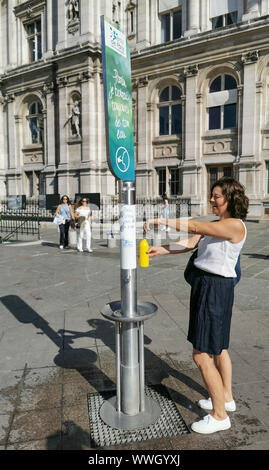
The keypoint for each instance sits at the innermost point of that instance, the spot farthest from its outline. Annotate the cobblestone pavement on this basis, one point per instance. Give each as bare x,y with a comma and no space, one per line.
56,348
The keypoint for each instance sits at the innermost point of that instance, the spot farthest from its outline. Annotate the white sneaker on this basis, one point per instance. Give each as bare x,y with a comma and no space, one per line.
208,425
80,251
207,405
61,247
89,251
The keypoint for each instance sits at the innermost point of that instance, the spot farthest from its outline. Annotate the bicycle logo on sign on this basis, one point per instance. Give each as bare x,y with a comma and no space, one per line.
122,159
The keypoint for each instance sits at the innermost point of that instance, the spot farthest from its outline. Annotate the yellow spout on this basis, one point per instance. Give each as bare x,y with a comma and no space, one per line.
143,256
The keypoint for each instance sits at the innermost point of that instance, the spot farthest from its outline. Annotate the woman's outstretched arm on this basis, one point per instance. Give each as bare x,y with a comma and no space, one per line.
230,229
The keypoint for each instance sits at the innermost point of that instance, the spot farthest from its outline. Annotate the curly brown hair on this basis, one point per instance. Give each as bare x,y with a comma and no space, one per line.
234,193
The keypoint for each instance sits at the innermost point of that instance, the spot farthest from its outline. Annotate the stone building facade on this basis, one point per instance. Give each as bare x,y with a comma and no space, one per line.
200,96
52,111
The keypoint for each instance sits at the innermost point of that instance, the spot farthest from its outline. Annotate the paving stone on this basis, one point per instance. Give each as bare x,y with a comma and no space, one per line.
4,426
195,441
45,375
41,397
8,397
10,378
263,445
56,347
51,443
246,429
255,397
35,425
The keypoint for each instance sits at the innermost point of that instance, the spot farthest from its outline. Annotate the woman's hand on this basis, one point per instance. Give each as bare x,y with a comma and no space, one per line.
157,250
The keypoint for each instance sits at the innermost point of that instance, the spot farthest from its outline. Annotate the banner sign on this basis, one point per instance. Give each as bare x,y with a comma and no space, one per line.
118,101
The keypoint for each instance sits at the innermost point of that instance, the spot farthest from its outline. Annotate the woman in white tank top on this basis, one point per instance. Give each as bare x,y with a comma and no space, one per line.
219,245
84,232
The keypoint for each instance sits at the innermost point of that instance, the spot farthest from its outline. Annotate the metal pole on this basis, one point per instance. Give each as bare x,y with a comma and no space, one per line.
142,367
130,393
131,408
118,355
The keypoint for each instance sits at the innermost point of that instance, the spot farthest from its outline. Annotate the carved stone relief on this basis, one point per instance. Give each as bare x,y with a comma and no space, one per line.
32,156
167,150
217,146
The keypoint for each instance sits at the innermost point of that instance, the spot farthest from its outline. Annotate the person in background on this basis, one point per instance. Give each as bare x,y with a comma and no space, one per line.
83,214
212,294
64,209
165,212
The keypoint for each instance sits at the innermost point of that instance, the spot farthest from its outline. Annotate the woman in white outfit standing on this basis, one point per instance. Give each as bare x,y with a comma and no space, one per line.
84,212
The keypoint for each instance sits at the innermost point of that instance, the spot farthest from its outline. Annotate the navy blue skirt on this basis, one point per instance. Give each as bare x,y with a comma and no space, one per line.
211,306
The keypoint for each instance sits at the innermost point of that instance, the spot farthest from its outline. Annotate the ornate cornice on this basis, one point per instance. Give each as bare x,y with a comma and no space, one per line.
48,87
191,70
250,57
6,98
142,82
62,82
27,10
84,76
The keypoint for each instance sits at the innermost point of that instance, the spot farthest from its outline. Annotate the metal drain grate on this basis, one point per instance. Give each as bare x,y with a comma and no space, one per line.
169,424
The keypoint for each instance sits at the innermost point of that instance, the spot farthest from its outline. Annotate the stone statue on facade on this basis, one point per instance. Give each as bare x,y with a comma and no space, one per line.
74,119
73,10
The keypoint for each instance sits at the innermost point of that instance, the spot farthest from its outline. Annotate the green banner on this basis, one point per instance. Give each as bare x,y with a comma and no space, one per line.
118,101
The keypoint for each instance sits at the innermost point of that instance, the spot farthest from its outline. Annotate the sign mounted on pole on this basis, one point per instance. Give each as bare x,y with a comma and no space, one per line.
118,101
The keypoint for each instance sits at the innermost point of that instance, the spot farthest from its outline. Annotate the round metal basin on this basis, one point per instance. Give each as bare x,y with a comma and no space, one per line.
145,311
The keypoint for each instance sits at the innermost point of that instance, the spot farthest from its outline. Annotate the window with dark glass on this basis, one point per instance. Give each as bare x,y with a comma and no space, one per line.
227,171
213,176
34,37
229,116
132,21
41,183
214,117
162,181
224,20
224,115
170,111
267,165
164,120
175,182
229,82
35,119
171,24
216,85
30,181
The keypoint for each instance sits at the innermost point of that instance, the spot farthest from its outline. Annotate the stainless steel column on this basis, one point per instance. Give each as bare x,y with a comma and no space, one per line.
130,390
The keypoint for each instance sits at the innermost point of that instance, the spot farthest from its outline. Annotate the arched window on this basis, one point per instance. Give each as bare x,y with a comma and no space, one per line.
35,120
170,111
221,103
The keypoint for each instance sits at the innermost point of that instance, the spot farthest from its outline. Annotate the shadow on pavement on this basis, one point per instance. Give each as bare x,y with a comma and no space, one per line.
83,359
158,370
256,255
54,245
73,438
68,358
